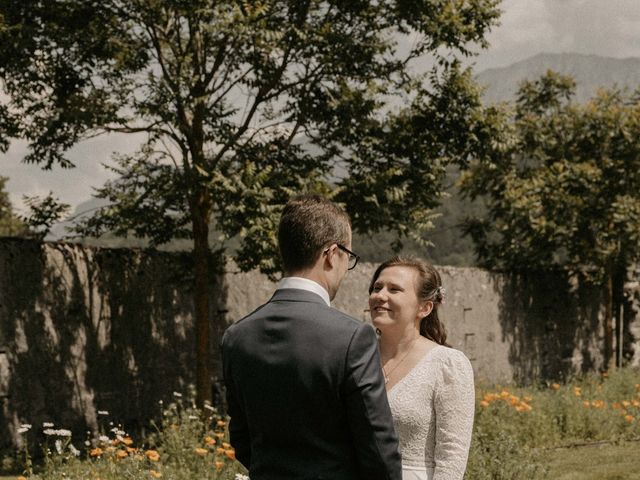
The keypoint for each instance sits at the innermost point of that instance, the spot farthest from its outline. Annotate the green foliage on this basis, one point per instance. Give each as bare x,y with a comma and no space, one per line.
10,224
43,214
564,189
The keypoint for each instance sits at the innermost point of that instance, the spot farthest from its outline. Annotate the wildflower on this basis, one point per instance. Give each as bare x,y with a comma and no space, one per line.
484,403
127,441
625,403
577,391
504,394
47,425
121,454
226,445
513,400
219,465
24,428
75,452
201,451
230,453
527,399
103,439
519,408
118,432
220,451
61,432
155,474
130,449
616,406
629,418
555,386
96,452
209,440
219,434
635,403
586,403
221,423
152,455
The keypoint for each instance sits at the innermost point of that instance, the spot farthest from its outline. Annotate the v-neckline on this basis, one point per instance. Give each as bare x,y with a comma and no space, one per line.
424,357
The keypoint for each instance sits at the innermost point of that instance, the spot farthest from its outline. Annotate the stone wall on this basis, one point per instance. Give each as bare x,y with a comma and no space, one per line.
88,329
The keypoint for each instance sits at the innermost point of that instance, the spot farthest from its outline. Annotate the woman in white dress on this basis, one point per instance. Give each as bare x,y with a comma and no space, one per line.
429,385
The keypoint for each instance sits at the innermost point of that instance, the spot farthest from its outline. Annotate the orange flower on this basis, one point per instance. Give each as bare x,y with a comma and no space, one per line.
201,451
577,391
586,403
155,474
226,445
22,478
230,453
127,441
96,452
219,465
484,403
625,403
629,418
616,406
221,423
209,440
121,454
152,455
527,399
131,449
219,435
220,451
504,394
555,386
635,403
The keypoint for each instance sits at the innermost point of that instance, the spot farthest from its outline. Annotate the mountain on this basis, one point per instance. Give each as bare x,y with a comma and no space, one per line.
589,71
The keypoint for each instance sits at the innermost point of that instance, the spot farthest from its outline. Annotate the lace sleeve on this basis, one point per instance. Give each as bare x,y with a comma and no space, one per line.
454,404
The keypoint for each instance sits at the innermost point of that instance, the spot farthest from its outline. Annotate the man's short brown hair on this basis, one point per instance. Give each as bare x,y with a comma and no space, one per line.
309,224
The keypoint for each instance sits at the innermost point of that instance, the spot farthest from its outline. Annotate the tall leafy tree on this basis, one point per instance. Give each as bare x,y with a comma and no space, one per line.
563,188
11,225
243,104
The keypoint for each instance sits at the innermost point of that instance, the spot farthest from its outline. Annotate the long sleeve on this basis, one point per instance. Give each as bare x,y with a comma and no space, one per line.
454,405
238,428
367,410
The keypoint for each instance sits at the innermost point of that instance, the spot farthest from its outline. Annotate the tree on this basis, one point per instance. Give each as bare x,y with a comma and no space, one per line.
10,224
243,104
563,189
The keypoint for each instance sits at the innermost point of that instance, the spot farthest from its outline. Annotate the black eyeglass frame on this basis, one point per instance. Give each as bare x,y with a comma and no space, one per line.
351,255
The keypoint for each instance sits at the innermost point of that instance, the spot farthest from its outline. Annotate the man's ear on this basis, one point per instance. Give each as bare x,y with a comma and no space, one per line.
330,256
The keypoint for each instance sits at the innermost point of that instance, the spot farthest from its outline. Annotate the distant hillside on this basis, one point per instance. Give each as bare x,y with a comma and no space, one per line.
590,72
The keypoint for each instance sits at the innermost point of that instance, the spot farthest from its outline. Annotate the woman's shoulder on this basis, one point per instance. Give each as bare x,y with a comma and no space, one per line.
453,362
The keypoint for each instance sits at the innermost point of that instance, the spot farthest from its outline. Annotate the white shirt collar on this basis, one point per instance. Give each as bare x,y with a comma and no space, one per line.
304,284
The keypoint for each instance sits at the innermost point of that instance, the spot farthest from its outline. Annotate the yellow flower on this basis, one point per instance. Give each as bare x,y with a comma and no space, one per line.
230,453
635,403
209,440
127,441
219,465
577,391
625,403
555,386
484,403
201,451
96,452
155,474
504,394
121,454
152,455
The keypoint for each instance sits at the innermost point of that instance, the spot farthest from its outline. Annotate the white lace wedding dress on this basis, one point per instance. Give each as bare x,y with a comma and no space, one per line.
432,409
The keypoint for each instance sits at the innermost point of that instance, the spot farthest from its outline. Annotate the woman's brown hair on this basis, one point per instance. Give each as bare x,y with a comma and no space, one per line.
429,289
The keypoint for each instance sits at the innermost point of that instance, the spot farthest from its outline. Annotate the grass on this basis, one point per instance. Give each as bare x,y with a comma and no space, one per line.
519,433
596,462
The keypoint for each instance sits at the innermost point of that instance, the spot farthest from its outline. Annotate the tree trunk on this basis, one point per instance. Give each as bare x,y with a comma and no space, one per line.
609,359
201,254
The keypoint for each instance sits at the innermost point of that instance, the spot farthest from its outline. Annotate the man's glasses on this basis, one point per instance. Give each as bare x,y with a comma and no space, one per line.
353,258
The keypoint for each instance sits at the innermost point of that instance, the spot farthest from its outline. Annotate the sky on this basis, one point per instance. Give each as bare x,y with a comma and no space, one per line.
608,28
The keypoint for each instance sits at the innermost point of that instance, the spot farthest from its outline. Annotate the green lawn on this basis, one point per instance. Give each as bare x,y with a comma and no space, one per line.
596,462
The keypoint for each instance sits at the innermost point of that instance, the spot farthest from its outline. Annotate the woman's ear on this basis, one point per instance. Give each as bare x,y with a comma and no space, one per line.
425,310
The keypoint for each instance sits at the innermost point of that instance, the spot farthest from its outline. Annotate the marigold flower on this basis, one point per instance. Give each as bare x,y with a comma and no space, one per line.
121,454
155,474
514,401
230,453
96,452
219,465
127,441
201,451
209,440
484,403
555,386
152,455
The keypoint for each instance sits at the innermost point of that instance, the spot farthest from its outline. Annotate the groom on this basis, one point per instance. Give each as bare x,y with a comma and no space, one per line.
305,390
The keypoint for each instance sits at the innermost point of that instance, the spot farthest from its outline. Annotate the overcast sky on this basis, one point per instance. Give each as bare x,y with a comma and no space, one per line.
602,27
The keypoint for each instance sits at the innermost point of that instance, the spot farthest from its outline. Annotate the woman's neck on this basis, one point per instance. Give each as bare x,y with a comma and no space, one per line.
396,343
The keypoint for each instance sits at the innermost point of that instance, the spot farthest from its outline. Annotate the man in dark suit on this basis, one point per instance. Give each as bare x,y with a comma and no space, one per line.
305,390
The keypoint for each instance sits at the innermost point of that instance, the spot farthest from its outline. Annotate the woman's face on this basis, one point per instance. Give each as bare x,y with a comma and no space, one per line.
394,300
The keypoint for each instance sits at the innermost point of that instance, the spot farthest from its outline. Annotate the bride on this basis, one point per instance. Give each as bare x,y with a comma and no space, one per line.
429,385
